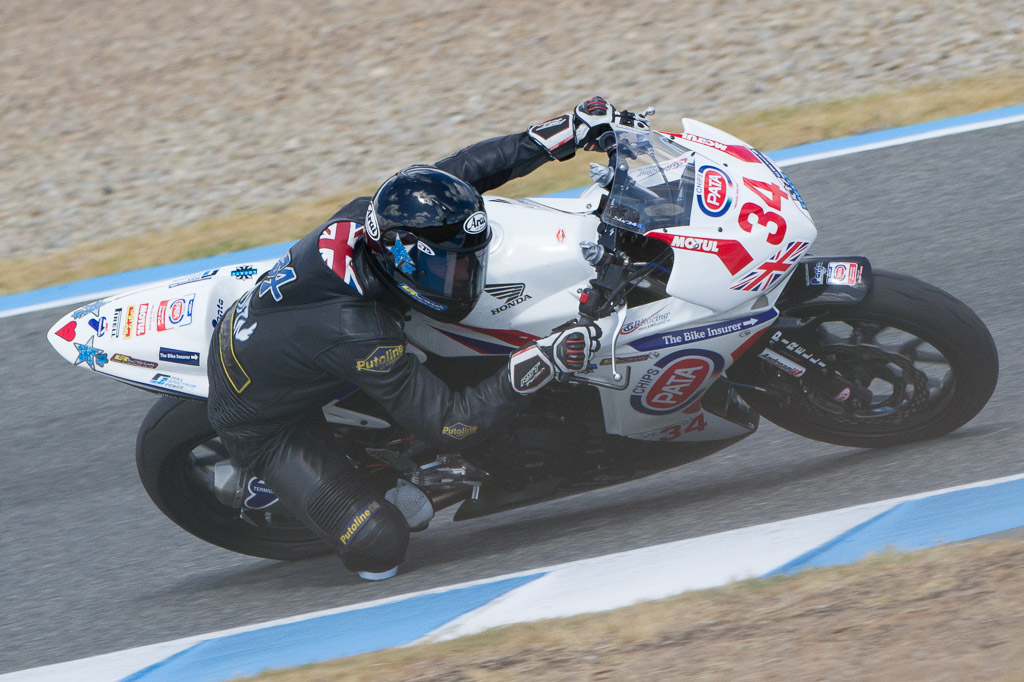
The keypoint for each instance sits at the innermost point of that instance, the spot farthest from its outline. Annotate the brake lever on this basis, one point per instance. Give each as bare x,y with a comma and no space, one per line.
618,382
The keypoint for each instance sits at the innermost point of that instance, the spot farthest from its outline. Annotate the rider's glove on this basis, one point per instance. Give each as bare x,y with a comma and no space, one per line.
601,174
556,136
566,351
591,119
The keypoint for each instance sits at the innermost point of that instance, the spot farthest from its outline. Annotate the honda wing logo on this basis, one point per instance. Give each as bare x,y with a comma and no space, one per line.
512,294
505,292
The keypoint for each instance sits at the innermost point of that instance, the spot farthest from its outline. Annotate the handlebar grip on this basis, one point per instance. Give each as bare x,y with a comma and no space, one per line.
606,142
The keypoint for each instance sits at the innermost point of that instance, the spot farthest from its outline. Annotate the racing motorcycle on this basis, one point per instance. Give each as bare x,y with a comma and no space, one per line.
690,251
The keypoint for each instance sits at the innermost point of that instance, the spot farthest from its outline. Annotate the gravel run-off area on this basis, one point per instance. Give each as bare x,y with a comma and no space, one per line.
125,116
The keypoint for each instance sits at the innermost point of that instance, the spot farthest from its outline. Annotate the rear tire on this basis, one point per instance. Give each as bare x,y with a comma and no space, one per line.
927,357
173,452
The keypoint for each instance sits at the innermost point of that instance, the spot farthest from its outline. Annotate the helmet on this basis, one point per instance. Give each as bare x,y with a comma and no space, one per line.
426,237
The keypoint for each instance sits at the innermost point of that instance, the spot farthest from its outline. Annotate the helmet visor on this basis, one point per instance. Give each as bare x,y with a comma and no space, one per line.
445,273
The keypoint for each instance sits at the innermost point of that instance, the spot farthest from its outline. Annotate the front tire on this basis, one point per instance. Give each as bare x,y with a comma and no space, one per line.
175,453
929,361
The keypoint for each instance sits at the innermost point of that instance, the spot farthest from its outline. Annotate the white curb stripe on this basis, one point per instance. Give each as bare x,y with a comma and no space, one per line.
916,137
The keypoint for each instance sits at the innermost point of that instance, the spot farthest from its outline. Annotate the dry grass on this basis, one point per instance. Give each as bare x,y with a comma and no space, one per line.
767,130
949,613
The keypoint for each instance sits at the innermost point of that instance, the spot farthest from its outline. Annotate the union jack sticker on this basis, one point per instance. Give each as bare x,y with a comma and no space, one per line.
772,270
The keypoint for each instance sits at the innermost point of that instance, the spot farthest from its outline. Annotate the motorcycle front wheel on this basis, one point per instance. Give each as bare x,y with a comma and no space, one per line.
928,361
178,455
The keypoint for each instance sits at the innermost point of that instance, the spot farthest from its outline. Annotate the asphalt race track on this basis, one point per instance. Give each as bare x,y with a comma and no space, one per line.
88,565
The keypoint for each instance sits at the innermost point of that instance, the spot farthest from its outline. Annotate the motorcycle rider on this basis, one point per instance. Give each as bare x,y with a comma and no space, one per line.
329,316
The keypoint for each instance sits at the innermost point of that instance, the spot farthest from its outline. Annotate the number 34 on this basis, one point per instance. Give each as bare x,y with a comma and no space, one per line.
751,214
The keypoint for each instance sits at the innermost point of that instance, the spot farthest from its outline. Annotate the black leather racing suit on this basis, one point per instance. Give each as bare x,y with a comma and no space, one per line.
320,321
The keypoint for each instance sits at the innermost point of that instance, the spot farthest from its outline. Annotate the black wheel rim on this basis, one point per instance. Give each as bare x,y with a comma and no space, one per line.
910,379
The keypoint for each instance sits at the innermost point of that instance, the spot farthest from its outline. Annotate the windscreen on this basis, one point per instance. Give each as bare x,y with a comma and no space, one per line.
652,185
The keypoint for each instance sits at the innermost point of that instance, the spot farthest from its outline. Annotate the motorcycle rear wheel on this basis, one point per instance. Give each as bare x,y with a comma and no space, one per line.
175,451
928,359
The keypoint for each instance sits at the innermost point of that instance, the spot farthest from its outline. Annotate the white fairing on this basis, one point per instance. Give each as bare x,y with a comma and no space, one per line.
747,229
158,337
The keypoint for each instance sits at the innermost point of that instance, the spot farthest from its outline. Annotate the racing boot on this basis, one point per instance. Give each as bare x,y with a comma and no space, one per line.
335,500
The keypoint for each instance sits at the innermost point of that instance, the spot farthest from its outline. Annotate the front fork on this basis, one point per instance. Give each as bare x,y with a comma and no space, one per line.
800,358
819,285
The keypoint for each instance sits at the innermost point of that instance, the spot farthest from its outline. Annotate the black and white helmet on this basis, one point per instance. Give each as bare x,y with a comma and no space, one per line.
427,237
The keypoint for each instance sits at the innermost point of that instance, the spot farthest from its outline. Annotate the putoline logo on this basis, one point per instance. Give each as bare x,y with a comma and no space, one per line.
678,383
714,190
382,359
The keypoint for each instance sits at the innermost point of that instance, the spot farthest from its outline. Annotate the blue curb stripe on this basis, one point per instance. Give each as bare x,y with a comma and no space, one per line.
135,278
99,285
919,524
327,637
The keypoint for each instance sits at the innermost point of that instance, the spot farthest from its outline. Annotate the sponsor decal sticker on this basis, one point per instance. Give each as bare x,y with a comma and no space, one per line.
736,150
174,313
560,235
89,354
458,430
420,298
134,362
382,359
278,276
820,269
243,272
260,494
782,363
220,312
628,359
512,294
680,337
67,332
651,320
91,309
143,319
100,326
115,325
732,254
182,357
793,194
782,343
675,381
423,248
189,279
841,273
172,383
129,319
358,521
475,223
714,191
